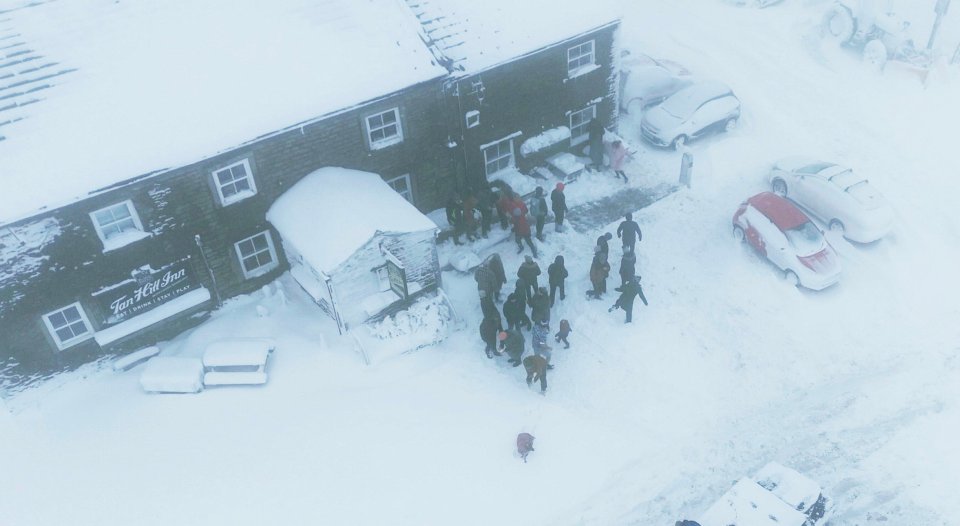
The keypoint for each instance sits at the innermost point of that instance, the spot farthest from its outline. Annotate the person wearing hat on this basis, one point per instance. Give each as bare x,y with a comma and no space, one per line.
559,202
603,244
539,210
528,272
512,342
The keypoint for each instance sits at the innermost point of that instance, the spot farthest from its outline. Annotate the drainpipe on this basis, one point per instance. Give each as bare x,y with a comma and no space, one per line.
213,278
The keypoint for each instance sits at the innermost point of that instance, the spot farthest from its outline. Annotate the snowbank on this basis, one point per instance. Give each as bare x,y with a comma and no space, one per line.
426,322
172,374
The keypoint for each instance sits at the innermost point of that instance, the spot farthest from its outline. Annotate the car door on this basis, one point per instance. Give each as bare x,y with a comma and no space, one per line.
713,112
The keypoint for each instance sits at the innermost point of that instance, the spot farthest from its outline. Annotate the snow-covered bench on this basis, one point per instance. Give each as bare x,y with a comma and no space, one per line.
172,374
240,361
125,363
565,166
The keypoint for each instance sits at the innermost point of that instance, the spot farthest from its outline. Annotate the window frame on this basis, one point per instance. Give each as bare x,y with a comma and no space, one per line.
580,139
263,269
581,67
386,141
62,345
115,243
409,185
472,119
383,278
227,201
487,161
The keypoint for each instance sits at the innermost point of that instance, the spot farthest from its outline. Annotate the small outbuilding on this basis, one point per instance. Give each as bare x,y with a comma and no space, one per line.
355,245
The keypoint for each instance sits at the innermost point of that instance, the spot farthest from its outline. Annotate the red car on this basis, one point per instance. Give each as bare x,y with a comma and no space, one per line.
779,231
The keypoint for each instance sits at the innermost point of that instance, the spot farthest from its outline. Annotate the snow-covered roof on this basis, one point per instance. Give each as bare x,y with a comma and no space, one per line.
332,212
94,92
777,209
476,35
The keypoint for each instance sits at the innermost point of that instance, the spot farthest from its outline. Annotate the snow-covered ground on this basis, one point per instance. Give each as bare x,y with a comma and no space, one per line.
729,368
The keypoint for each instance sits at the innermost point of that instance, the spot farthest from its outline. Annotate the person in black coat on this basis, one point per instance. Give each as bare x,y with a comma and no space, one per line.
541,306
512,342
631,289
489,328
603,243
556,275
539,211
489,308
515,310
558,201
628,268
536,367
496,265
455,218
629,231
596,131
528,272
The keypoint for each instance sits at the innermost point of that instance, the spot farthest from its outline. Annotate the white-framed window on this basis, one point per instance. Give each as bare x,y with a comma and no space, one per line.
402,186
580,124
473,118
383,278
68,326
498,156
118,225
580,59
257,254
383,129
234,183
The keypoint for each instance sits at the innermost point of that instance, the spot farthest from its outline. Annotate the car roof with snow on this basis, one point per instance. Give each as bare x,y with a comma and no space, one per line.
97,92
781,212
474,36
690,98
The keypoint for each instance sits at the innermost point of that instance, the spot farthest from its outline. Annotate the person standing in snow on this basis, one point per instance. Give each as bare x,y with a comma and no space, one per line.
631,289
527,273
455,218
599,270
470,216
486,280
603,245
595,138
536,367
618,157
561,335
559,202
489,308
556,276
541,332
515,310
500,277
539,211
488,333
513,343
521,226
629,231
628,268
540,303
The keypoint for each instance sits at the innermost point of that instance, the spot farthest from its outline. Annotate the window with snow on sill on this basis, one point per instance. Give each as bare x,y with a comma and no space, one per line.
118,225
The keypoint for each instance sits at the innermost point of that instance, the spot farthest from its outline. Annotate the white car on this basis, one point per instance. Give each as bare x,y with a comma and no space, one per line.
840,198
696,110
646,80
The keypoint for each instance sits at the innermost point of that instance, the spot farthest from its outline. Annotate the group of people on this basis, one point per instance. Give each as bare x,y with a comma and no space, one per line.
616,150
629,233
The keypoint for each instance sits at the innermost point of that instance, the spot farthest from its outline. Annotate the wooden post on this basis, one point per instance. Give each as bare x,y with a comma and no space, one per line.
686,169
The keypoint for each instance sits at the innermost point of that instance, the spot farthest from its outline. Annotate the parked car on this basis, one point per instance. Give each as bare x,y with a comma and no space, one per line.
691,113
842,199
645,80
783,234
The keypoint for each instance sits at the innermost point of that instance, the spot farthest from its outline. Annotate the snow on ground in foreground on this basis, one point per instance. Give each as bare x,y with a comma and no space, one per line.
728,369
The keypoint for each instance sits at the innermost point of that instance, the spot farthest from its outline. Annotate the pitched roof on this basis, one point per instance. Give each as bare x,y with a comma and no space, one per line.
475,35
95,92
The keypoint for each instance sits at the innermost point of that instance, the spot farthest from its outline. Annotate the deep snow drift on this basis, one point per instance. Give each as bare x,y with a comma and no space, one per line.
729,368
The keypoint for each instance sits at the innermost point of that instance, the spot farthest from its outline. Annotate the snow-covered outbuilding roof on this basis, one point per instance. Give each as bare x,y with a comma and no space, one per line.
332,212
477,35
95,92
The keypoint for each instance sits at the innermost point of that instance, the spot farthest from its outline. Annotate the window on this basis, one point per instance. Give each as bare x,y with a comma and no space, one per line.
68,326
473,119
402,186
118,225
234,183
580,124
498,156
383,129
580,59
257,255
383,278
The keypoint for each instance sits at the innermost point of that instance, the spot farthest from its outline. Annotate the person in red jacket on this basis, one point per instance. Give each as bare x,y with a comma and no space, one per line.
521,226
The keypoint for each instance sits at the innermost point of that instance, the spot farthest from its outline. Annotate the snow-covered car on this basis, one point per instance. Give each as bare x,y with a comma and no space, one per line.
776,496
690,113
842,199
646,80
783,234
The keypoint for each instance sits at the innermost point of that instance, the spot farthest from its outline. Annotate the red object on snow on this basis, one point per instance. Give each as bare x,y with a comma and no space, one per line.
782,212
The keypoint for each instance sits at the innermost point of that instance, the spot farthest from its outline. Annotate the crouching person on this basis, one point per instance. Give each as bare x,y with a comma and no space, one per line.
536,367
512,342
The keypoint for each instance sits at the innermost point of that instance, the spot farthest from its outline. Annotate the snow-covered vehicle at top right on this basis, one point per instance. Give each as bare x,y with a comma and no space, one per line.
840,198
874,27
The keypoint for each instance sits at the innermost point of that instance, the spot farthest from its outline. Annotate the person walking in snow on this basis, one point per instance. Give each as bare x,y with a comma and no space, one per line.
540,303
511,312
618,157
599,270
557,276
527,273
486,280
536,367
561,335
629,232
559,202
513,343
455,218
488,333
595,139
539,211
541,333
603,245
631,289
628,268
500,277
521,226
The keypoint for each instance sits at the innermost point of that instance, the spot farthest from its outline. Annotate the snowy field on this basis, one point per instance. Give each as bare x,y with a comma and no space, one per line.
858,387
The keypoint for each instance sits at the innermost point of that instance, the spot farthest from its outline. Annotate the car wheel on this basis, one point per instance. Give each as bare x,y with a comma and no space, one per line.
839,25
875,54
837,226
680,142
792,278
780,187
730,125
739,235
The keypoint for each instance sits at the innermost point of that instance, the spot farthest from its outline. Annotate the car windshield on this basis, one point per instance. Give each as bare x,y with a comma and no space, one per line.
814,168
683,104
805,239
